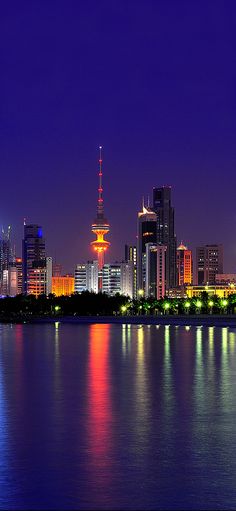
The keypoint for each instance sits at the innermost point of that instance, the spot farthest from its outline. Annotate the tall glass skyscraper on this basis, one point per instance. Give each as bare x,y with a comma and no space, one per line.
34,259
147,233
166,230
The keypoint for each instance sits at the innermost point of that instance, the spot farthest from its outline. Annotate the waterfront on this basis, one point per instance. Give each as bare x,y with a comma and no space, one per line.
126,416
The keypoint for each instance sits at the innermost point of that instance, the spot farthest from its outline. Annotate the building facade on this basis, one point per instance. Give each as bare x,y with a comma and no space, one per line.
63,285
166,230
131,256
184,265
221,291
6,258
147,233
209,263
87,277
155,285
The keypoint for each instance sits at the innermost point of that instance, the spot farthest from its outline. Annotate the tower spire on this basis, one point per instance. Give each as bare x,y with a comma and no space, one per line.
100,189
100,226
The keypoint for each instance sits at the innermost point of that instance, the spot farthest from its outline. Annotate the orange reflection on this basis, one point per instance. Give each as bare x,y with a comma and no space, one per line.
99,404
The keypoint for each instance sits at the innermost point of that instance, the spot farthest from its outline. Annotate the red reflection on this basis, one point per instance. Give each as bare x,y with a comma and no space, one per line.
99,402
19,338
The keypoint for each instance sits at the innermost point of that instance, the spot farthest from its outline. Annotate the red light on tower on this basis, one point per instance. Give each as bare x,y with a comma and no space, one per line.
100,226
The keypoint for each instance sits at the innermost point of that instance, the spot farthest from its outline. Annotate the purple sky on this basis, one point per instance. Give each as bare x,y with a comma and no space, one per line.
153,82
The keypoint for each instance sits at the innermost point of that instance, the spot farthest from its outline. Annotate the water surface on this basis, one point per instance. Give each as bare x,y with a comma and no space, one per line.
117,417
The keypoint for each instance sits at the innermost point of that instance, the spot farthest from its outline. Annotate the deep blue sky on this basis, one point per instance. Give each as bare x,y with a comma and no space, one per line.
154,82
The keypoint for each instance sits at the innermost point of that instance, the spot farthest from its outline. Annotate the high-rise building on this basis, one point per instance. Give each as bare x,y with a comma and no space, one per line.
92,276
116,278
111,278
131,256
6,257
184,265
209,263
18,265
86,277
63,285
34,260
80,278
37,279
49,265
127,279
151,270
147,233
166,230
14,277
100,226
155,284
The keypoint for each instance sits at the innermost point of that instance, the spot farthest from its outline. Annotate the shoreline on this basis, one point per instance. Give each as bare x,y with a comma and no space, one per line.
176,320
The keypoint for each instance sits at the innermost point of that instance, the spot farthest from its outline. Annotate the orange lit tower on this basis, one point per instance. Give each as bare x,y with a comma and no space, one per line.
100,225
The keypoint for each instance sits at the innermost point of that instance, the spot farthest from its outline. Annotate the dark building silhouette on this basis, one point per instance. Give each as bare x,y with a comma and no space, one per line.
166,230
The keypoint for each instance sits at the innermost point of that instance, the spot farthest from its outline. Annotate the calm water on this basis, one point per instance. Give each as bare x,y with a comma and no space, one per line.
117,417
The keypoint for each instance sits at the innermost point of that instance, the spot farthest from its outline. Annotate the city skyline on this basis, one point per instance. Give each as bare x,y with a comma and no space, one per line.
91,254
158,95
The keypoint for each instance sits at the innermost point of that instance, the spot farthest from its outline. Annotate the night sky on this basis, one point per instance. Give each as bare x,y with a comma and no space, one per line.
154,83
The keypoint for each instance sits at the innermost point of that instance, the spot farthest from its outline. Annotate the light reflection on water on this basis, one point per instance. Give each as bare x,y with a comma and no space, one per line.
117,417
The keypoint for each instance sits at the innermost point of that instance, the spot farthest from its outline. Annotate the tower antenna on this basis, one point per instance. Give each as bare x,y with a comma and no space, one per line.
100,226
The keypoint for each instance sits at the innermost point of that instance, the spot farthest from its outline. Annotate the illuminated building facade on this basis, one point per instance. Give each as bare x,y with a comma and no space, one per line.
63,285
18,265
37,280
166,230
155,283
36,267
184,265
80,278
86,277
111,278
127,277
209,263
221,291
131,256
6,258
100,226
147,233
33,256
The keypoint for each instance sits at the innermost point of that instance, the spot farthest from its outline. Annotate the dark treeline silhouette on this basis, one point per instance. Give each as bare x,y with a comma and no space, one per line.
91,304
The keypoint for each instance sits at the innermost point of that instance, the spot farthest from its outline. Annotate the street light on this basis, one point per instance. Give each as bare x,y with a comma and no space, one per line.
140,292
224,304
199,304
166,306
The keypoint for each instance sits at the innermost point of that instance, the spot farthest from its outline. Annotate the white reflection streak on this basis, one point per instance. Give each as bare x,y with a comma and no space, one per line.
57,340
142,404
126,336
167,362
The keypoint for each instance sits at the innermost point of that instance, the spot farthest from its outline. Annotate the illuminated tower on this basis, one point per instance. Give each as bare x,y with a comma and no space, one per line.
100,226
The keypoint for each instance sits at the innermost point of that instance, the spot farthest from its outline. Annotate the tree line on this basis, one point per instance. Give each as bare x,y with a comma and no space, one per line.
92,304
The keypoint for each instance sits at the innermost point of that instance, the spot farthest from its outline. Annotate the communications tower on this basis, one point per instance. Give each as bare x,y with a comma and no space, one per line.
100,226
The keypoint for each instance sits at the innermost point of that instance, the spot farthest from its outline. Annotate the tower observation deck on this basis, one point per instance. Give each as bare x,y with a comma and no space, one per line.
100,226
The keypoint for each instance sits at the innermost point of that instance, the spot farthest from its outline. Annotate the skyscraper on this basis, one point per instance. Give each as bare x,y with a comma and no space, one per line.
100,226
184,265
131,256
86,277
166,230
155,282
34,260
147,233
6,258
209,262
